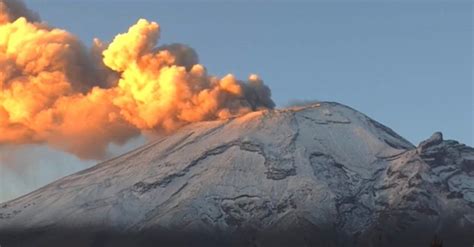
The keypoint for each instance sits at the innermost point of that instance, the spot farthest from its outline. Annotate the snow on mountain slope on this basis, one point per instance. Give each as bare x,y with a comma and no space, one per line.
322,174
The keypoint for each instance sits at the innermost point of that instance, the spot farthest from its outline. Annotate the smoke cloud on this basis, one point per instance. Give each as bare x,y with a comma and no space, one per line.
56,91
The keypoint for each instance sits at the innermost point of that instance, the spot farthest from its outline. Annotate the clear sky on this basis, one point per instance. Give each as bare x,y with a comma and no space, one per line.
407,64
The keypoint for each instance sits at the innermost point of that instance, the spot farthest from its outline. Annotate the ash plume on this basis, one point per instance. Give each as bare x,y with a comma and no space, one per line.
54,90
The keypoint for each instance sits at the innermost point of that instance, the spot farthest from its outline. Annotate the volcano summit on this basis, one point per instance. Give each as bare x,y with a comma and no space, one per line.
317,175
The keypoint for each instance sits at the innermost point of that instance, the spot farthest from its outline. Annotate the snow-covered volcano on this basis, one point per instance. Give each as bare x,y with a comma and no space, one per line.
318,175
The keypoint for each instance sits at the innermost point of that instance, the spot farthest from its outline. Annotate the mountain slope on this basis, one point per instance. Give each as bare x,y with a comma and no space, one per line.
322,175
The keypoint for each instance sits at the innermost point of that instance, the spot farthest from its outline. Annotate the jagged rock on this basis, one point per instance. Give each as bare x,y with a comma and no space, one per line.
435,139
320,175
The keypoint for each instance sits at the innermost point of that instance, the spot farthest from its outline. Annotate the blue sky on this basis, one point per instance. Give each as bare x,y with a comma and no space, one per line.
407,64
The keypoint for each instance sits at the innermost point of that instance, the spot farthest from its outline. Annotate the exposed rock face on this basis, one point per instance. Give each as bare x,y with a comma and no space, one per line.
321,175
435,139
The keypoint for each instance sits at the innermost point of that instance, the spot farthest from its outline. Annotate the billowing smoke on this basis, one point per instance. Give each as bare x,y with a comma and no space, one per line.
56,91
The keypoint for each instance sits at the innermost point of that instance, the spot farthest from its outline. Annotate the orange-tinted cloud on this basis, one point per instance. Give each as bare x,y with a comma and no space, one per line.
54,90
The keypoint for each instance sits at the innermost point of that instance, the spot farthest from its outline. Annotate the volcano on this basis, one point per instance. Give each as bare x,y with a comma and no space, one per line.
317,175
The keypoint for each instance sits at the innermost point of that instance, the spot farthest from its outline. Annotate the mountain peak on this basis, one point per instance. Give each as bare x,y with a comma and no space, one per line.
304,175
